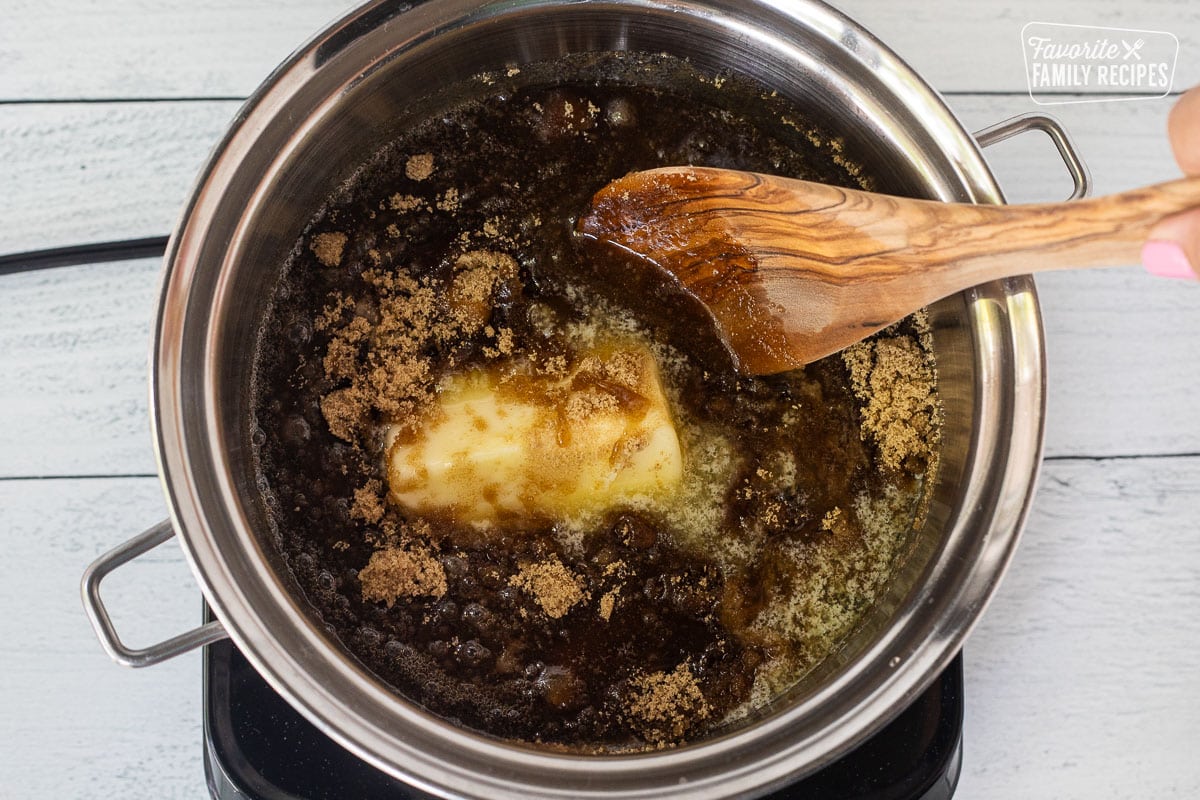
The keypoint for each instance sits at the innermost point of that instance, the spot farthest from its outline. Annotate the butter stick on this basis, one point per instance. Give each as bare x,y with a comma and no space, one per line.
509,446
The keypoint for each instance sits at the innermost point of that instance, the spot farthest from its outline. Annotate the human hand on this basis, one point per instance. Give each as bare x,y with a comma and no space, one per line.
1173,249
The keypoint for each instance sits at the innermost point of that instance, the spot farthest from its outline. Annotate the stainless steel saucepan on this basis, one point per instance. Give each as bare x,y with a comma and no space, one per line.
303,132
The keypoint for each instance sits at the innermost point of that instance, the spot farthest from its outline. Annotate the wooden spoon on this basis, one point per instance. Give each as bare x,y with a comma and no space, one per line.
792,271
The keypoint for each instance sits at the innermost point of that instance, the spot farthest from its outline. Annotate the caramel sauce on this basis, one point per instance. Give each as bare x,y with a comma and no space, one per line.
643,625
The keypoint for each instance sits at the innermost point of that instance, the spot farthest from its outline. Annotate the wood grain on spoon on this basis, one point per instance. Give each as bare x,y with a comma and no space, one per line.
792,271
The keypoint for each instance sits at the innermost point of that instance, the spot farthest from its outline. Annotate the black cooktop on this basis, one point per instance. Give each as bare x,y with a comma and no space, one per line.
256,747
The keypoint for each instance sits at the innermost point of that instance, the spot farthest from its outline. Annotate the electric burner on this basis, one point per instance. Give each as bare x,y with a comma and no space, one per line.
257,747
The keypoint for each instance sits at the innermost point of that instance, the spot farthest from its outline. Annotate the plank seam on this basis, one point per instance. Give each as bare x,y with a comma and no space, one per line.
58,101
65,101
1134,457
81,477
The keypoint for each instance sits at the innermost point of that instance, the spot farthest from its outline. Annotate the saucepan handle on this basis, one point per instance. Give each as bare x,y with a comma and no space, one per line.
98,614
1057,133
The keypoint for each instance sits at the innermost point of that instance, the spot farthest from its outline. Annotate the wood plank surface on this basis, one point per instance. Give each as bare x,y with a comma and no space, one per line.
976,46
75,725
1081,675
98,49
74,347
85,172
94,49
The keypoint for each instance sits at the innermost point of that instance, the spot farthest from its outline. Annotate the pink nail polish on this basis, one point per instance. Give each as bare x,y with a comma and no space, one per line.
1166,259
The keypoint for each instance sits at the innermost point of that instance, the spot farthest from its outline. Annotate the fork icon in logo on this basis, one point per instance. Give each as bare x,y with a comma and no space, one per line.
1132,49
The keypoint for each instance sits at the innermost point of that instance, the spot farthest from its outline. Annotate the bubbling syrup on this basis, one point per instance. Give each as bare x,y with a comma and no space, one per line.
651,622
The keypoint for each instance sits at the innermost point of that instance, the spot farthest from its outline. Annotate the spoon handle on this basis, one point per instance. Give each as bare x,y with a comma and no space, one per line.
1002,241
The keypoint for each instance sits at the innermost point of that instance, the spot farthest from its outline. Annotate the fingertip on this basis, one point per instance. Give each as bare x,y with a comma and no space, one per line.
1166,259
1173,246
1183,128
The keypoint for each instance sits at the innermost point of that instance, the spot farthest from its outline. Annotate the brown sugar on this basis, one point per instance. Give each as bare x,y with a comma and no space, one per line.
449,200
477,274
662,706
603,385
553,586
404,202
895,379
333,311
343,410
328,247
341,359
419,167
382,361
400,571
608,604
584,405
554,366
368,504
385,359
504,342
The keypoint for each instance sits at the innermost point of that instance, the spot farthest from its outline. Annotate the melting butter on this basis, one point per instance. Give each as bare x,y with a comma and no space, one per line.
503,445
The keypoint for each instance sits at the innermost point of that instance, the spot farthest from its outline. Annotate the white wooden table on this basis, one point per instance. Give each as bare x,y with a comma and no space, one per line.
1082,679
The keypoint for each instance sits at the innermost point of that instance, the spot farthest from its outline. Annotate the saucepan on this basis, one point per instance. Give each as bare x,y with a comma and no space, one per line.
307,127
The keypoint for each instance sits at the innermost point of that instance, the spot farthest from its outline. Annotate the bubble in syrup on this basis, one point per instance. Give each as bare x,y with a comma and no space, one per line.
296,430
619,113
